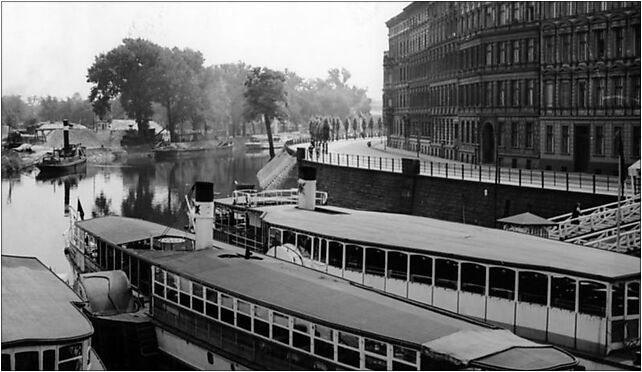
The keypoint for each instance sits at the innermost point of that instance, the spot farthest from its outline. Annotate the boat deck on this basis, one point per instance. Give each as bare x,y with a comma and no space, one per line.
37,305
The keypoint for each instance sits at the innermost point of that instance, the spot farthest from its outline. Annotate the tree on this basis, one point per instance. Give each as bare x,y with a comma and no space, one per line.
129,72
355,126
380,125
371,125
265,96
13,110
346,126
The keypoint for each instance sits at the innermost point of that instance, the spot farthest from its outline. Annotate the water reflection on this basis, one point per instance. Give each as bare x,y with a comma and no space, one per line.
33,209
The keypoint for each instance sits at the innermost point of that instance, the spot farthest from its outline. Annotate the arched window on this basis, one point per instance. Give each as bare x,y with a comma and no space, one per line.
533,287
446,273
335,254
375,261
420,269
592,298
473,278
354,258
563,293
397,265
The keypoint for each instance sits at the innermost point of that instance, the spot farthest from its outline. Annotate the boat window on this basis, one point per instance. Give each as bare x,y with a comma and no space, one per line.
398,366
227,315
304,243
126,265
289,237
592,298
185,285
324,332
617,301
633,298
275,237
301,341
446,273
117,262
110,257
211,295
26,361
533,287
501,283
243,307
70,357
348,340
397,265
473,278
405,354
6,362
281,320
172,280
563,293
243,312
172,295
323,250
211,310
159,275
317,248
420,269
279,333
159,290
48,360
375,261
101,253
301,325
197,290
227,301
261,328
335,254
324,349
376,364
261,313
197,304
70,365
376,347
354,258
348,356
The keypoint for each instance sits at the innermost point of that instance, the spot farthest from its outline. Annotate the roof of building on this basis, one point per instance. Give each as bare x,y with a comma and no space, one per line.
456,240
37,305
526,219
120,230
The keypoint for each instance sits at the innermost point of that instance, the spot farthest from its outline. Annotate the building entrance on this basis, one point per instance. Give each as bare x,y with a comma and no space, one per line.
582,147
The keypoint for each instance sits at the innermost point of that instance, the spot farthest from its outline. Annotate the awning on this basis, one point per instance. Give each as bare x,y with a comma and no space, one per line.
496,349
634,169
526,219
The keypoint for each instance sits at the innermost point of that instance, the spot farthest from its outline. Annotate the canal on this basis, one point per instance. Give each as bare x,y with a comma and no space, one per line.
34,216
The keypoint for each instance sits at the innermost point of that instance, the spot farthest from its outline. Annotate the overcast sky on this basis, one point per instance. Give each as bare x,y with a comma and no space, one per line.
47,47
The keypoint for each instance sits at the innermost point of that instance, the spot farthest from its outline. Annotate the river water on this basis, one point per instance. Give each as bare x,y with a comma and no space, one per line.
33,209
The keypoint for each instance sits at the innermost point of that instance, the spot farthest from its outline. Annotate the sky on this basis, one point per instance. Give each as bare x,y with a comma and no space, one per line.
47,47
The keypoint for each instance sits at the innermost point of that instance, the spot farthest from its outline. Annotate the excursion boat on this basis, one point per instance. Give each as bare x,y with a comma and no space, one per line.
189,149
224,307
71,158
42,325
585,300
260,142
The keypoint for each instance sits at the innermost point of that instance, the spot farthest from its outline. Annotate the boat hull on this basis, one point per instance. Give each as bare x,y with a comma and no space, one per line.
74,166
161,154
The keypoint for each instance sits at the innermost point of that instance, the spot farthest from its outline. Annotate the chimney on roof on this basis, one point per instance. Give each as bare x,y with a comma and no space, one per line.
65,134
204,214
307,188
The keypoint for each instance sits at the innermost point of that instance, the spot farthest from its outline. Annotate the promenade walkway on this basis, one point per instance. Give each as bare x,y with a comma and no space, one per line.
357,154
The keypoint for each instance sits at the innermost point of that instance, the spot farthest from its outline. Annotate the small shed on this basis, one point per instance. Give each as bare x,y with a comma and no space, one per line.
527,223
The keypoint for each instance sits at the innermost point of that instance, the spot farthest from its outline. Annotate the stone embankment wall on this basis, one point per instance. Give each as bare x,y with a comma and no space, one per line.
447,199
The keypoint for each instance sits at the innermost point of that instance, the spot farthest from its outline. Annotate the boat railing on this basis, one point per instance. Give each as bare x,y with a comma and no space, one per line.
273,197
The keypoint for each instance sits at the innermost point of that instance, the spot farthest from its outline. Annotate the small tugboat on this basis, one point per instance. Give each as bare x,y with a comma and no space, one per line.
181,150
71,158
42,325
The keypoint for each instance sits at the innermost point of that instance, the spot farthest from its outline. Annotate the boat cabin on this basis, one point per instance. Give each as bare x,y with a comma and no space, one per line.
42,329
577,297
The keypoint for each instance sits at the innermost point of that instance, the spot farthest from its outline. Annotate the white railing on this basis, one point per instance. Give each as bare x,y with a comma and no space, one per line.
595,219
273,197
607,239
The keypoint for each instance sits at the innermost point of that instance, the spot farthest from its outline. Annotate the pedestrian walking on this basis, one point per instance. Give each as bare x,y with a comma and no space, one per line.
575,216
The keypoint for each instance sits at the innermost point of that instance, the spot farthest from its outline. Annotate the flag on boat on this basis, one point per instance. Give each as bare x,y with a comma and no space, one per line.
80,211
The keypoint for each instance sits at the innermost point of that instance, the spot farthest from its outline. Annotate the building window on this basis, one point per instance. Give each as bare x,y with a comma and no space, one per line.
529,135
531,50
565,139
502,52
500,134
549,57
514,135
516,51
549,139
530,92
517,12
581,94
548,94
582,46
565,93
566,44
599,140
619,42
619,92
502,94
515,92
600,45
489,54
617,131
502,14
599,92
489,94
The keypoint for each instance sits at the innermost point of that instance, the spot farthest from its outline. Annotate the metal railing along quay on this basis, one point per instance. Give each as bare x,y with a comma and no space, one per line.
568,181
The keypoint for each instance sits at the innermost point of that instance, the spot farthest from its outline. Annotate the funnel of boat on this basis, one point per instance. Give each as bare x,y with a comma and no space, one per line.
307,188
203,214
65,134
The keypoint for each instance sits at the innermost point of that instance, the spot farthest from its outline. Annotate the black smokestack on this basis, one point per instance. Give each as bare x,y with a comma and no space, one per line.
65,134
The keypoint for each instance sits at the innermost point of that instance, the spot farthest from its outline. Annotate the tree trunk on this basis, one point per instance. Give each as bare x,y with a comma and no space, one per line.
268,130
170,123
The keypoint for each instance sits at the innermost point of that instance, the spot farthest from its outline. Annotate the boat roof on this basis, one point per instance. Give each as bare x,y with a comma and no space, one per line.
120,230
328,300
526,219
457,240
37,305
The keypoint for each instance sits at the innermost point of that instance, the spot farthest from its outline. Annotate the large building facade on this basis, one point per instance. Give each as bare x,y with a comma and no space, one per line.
527,84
